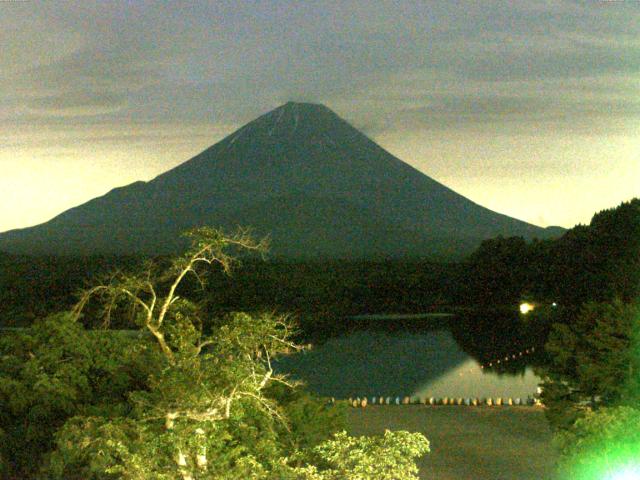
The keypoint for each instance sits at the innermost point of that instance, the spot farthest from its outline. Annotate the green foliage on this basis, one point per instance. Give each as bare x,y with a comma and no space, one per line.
592,378
601,445
388,457
54,370
592,362
171,401
97,448
309,421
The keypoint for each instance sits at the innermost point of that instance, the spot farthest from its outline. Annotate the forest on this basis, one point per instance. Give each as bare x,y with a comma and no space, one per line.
193,393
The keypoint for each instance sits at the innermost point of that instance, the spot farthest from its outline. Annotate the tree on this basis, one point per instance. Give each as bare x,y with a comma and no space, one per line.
149,306
598,262
498,272
55,370
592,378
592,362
201,381
388,457
201,416
207,405
602,444
592,391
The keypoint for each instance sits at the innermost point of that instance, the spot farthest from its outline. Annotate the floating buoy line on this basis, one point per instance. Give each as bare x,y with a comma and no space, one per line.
468,401
508,358
362,402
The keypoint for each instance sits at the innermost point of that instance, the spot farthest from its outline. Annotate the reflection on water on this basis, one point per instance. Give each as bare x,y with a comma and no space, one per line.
382,363
468,380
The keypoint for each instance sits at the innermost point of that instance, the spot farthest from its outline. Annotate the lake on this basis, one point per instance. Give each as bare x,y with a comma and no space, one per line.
408,362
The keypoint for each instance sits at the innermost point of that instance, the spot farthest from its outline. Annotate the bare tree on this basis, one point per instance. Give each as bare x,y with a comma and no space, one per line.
141,291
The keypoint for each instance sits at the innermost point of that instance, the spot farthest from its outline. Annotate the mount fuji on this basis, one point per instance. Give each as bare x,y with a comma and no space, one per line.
319,187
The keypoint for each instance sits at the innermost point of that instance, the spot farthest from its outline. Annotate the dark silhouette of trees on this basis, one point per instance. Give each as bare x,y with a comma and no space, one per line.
598,262
498,272
595,262
592,362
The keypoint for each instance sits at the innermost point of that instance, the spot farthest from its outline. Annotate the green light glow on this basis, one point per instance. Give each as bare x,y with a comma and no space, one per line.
631,472
606,467
604,445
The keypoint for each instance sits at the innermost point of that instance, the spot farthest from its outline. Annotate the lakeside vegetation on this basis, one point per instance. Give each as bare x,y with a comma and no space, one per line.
597,262
179,403
78,394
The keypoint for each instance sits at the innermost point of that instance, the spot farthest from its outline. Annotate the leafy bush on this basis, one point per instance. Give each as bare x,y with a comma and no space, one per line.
601,445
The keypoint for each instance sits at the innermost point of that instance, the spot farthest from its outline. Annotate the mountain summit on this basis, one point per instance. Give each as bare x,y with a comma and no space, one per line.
299,173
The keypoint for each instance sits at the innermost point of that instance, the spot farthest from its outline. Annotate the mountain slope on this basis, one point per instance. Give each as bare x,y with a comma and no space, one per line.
300,173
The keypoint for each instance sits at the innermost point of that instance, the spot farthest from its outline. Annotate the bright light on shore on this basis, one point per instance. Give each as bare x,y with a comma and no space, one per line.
525,308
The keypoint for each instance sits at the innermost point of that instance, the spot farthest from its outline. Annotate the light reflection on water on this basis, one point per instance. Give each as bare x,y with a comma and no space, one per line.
379,363
468,380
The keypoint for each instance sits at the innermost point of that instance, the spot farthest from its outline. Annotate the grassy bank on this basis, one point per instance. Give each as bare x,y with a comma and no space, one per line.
469,443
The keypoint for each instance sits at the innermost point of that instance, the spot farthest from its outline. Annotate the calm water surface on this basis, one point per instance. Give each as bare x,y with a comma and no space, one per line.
380,363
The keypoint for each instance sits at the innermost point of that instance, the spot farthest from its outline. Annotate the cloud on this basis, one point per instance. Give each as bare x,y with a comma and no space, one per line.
457,84
446,63
76,103
601,104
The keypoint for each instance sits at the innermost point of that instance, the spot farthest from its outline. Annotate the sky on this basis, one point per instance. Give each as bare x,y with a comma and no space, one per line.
530,108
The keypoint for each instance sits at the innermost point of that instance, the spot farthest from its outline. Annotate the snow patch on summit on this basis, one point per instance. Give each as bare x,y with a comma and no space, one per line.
276,123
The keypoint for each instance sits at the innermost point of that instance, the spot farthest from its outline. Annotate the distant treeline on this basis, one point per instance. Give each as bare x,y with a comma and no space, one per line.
31,287
598,262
